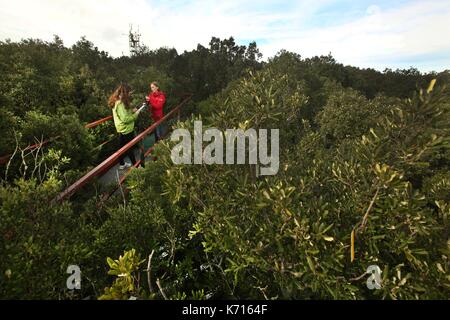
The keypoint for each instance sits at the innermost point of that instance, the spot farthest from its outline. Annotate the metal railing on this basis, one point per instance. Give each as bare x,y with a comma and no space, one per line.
114,158
5,159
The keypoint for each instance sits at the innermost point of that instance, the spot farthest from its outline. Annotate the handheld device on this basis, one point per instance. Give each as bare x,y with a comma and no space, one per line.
142,107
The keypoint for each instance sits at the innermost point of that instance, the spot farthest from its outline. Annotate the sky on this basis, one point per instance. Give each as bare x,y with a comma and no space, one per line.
367,34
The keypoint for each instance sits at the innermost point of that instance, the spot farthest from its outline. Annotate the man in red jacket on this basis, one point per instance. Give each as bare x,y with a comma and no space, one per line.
156,99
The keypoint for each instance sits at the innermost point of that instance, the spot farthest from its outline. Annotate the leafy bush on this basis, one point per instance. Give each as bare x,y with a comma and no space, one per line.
8,127
127,283
39,241
289,236
348,114
71,137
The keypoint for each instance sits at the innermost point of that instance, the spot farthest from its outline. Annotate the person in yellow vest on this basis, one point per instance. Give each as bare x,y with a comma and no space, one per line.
124,118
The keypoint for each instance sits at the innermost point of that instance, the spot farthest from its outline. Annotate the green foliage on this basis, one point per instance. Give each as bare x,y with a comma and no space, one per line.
348,114
127,285
72,138
288,236
8,127
206,71
151,223
38,241
359,154
127,282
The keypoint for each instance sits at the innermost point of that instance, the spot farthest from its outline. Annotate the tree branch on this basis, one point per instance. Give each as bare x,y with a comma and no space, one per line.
366,216
149,269
161,290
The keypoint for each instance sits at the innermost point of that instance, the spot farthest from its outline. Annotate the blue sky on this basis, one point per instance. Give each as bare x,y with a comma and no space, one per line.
376,34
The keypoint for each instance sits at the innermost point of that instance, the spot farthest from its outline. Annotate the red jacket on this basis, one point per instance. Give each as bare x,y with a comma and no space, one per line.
157,101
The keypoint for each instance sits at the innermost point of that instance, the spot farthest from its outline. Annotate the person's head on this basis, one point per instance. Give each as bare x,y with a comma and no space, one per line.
154,86
122,93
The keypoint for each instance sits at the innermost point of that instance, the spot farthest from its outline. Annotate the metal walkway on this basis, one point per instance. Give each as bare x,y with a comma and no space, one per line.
106,172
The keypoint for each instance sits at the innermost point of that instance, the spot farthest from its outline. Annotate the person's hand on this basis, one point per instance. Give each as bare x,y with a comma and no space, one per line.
135,110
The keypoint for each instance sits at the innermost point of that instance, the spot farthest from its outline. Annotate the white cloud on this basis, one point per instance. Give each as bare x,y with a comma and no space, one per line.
378,38
105,23
381,38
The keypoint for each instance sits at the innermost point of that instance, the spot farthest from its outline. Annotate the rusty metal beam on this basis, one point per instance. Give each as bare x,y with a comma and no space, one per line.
5,159
98,122
106,196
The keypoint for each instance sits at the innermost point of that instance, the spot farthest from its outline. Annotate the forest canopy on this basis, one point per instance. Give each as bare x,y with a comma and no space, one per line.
364,178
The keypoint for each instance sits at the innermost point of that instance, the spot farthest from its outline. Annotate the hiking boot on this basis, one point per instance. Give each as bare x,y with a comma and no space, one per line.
125,166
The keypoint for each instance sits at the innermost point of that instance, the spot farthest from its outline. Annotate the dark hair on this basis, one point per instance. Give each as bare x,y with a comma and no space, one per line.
122,90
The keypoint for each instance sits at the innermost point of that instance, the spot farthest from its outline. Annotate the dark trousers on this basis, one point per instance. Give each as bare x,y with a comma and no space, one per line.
158,133
124,139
